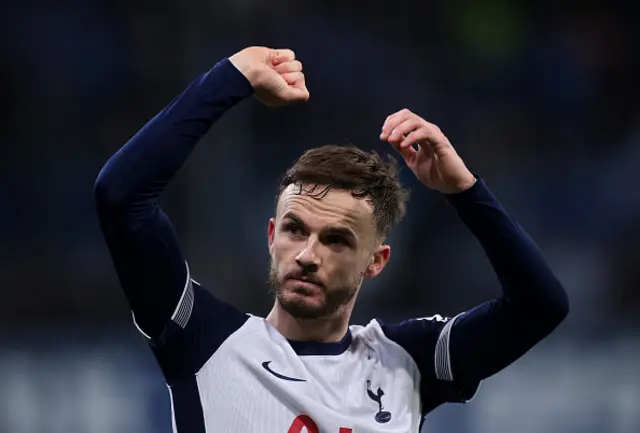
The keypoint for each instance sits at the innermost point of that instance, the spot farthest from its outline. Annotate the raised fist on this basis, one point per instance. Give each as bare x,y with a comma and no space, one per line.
275,75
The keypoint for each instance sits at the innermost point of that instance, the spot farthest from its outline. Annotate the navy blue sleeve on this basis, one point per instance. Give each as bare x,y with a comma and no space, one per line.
144,247
182,350
422,338
454,355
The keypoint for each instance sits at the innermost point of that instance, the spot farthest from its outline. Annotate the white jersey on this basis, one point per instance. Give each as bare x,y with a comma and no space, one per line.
233,372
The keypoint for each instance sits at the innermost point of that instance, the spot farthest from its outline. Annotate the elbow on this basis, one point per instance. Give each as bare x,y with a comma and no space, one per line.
561,305
103,191
556,305
117,200
546,307
106,193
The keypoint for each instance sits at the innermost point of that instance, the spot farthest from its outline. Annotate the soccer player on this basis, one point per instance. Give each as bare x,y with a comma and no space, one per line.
304,367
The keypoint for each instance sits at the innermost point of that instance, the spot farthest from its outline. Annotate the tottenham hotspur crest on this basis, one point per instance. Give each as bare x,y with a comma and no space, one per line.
381,416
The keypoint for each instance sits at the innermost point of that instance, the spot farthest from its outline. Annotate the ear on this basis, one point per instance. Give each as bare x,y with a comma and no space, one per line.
378,261
271,233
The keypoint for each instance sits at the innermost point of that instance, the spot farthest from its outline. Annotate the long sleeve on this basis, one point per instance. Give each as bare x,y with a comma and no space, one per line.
455,354
533,302
142,242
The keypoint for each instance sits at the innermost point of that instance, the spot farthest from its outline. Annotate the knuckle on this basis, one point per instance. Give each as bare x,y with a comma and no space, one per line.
286,67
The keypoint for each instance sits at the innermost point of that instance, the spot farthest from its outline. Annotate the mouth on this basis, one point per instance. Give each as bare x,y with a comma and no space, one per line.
305,286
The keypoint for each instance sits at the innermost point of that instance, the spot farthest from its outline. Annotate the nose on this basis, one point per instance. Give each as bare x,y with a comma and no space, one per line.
308,258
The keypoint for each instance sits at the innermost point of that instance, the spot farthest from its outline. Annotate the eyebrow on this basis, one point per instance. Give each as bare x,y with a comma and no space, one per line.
334,230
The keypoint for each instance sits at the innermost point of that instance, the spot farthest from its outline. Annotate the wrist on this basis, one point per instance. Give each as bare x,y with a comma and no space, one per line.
244,67
462,185
467,183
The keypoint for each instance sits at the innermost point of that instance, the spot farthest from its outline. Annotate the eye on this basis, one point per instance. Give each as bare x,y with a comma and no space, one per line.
336,240
293,229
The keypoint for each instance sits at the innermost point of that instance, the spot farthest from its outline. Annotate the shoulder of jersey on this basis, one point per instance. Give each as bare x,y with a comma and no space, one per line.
371,332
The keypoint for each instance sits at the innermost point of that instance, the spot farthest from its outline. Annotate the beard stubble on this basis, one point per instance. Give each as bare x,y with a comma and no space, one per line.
335,297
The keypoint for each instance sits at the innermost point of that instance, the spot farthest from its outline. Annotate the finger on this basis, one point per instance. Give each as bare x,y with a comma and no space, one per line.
282,55
407,127
288,66
397,134
428,136
407,153
293,77
412,138
394,120
398,116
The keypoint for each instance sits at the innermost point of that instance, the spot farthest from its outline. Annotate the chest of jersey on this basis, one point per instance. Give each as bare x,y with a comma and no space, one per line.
256,382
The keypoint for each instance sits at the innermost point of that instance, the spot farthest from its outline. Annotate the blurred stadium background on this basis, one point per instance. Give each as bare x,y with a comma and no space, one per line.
540,99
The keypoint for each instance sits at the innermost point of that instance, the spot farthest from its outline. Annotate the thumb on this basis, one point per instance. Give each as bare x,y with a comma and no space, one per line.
408,153
300,84
296,92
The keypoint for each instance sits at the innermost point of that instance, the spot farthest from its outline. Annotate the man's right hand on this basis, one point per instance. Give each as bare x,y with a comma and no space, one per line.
275,75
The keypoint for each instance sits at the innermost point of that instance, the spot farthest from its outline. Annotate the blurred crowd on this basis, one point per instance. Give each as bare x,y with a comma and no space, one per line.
539,100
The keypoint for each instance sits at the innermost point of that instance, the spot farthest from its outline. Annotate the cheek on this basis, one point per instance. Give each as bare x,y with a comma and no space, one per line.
281,249
276,252
342,266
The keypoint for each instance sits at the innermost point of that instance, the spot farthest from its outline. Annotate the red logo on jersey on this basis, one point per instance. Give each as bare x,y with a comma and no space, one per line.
305,421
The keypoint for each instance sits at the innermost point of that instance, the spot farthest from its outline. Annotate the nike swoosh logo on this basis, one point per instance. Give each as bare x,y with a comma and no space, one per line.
265,365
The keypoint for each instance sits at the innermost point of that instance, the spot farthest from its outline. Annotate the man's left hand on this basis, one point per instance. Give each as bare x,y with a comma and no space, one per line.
427,152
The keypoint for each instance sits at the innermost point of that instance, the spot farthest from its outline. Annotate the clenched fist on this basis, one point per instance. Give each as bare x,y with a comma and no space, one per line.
427,152
275,75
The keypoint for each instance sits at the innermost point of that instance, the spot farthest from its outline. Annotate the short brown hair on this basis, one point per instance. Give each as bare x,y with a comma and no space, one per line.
365,174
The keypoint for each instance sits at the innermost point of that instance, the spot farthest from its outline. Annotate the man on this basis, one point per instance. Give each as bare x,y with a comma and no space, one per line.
303,368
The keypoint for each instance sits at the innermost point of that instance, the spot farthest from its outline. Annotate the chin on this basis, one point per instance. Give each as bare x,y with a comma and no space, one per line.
303,306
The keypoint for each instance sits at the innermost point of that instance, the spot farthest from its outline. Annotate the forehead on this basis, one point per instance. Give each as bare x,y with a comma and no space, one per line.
334,207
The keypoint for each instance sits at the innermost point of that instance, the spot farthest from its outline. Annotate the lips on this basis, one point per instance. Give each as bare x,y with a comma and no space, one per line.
307,281
307,284
303,278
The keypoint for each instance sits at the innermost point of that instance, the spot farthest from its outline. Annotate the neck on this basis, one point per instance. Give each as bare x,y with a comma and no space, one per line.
324,330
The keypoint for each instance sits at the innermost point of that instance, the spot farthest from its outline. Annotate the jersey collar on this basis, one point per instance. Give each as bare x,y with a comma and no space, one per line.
305,348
